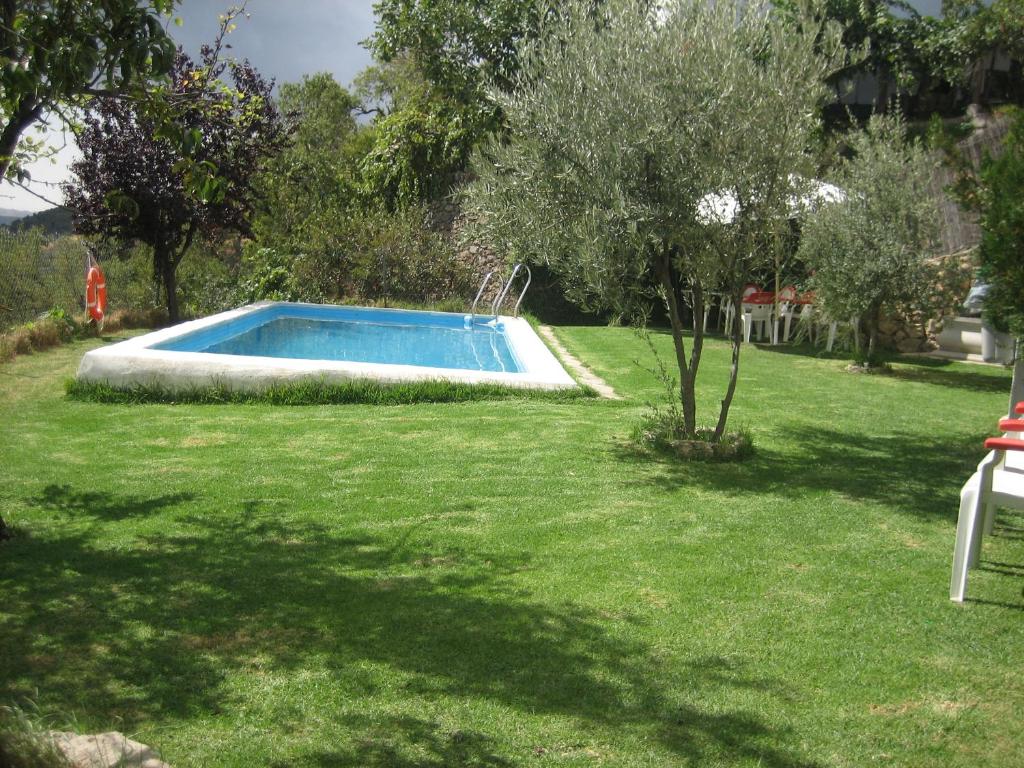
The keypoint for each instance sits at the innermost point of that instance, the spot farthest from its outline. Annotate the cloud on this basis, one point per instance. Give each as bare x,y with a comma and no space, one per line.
286,39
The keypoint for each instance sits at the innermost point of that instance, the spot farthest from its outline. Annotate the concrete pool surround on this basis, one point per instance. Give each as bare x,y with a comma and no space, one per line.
141,362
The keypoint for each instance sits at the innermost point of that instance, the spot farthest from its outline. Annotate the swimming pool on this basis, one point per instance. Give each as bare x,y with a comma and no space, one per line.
275,342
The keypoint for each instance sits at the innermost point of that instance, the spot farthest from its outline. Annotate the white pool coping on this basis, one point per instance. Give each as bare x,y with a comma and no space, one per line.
134,363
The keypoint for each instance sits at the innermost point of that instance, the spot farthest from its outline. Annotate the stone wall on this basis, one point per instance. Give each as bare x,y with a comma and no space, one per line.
446,217
908,330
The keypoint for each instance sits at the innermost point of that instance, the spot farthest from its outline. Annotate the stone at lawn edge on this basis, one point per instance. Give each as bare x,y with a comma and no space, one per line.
106,750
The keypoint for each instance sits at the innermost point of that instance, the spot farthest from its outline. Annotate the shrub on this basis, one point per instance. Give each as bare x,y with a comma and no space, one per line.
364,257
24,743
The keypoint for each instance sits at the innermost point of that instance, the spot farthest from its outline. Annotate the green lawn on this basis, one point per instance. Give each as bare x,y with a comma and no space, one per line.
506,584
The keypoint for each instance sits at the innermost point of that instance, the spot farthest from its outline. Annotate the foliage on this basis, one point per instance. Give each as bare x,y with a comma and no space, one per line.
314,181
869,250
133,183
1002,231
417,153
955,47
616,142
268,275
368,256
323,113
460,46
53,53
26,743
389,86
888,32
924,55
319,392
436,61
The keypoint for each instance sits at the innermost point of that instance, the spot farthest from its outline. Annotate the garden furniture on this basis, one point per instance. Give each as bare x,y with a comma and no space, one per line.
998,481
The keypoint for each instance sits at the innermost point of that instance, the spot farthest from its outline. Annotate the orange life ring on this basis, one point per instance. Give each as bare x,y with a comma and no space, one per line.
96,294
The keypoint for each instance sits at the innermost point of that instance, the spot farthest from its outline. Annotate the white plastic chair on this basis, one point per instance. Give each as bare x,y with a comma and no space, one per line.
853,323
754,314
750,314
730,309
998,482
787,308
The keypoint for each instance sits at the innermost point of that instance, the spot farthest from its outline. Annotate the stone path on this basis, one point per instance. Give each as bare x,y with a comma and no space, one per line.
584,374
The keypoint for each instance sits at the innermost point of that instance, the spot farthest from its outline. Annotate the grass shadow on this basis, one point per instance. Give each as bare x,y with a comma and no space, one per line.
897,469
408,742
61,498
923,370
159,626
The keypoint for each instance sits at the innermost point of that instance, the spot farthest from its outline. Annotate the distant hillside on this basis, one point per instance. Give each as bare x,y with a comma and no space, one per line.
55,221
7,215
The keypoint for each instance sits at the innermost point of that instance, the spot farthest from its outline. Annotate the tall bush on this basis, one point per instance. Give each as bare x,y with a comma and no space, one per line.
869,251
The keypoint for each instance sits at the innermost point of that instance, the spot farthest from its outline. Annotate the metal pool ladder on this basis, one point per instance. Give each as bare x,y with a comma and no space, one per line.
504,286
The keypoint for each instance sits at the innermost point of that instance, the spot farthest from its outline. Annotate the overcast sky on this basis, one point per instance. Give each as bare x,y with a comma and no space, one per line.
284,39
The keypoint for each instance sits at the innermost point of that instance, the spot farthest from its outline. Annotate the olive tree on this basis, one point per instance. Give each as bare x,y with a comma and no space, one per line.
870,250
625,124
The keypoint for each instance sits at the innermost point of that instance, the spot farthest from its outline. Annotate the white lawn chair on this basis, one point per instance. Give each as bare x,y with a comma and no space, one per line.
729,308
998,482
787,309
753,315
806,324
853,325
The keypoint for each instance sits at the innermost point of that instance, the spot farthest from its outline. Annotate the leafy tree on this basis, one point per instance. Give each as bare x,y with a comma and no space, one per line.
417,153
316,176
323,109
956,46
999,197
53,53
386,87
624,125
309,191
460,46
438,61
1002,226
135,182
869,250
889,33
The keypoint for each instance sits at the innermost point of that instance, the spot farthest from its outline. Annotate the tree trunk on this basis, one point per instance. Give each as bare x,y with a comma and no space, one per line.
1017,385
873,320
686,393
734,369
168,273
27,112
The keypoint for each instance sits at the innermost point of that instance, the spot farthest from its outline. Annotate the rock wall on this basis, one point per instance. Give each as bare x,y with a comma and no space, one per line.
446,218
914,330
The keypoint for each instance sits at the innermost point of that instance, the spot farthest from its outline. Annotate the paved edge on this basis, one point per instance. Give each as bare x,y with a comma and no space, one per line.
583,373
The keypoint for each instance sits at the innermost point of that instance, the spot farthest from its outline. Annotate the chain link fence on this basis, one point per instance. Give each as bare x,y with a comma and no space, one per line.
40,273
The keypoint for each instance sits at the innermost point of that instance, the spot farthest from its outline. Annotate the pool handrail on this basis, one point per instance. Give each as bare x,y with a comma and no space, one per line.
479,293
529,279
500,298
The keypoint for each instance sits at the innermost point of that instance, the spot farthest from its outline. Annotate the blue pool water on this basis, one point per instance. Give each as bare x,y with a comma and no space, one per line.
357,334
